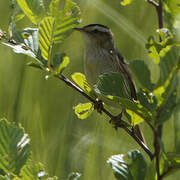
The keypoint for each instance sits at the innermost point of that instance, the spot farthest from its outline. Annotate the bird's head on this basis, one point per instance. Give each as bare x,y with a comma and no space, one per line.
96,34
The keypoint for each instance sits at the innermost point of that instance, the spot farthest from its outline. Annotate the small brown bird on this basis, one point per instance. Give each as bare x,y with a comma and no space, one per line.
102,57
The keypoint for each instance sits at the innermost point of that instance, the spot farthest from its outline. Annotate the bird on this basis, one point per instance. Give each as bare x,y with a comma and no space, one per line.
102,56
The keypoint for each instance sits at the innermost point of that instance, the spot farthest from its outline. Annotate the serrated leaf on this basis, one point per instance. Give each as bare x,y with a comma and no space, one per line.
83,110
60,61
81,81
125,2
34,171
66,20
113,84
34,9
141,74
46,33
130,166
74,176
14,147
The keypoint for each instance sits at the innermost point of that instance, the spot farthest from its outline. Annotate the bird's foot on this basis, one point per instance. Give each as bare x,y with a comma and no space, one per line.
116,121
98,106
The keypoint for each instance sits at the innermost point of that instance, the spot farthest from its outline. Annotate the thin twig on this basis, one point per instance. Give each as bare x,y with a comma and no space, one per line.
130,132
158,131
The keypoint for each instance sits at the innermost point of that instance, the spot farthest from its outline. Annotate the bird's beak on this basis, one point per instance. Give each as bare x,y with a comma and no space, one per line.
79,29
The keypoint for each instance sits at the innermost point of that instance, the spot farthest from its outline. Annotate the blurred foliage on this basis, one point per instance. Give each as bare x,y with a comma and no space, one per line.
41,105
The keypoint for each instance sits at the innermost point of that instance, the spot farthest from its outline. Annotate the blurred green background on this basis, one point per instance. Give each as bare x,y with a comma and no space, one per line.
45,107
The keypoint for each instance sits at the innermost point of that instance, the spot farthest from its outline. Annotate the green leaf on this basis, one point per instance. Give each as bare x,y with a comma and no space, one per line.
125,2
46,33
166,96
147,99
113,84
120,167
135,119
167,109
156,49
137,166
17,13
168,61
66,19
163,92
173,159
74,176
141,74
34,171
164,34
130,166
33,9
153,49
177,127
81,81
60,61
171,11
14,147
83,110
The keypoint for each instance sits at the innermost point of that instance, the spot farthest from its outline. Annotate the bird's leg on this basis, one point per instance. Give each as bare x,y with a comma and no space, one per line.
116,120
98,106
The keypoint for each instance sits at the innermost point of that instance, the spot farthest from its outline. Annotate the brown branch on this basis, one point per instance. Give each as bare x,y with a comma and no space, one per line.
130,132
158,131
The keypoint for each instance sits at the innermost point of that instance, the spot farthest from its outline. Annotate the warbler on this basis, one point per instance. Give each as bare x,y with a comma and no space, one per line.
102,56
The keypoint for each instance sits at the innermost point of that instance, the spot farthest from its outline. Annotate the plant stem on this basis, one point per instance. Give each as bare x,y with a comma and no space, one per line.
130,132
158,131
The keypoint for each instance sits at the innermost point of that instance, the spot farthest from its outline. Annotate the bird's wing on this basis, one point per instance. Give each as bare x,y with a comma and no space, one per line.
127,74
